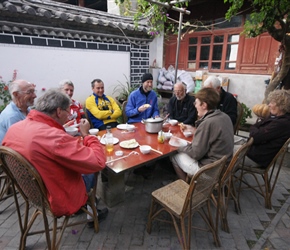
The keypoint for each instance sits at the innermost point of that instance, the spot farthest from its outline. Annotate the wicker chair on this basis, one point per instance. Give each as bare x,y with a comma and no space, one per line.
239,118
5,186
26,179
181,200
125,118
269,176
226,187
87,116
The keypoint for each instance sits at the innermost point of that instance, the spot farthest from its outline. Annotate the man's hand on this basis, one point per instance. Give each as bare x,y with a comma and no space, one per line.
186,127
144,107
84,127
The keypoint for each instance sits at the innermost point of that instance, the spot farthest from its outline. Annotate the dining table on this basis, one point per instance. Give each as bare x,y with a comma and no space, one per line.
127,157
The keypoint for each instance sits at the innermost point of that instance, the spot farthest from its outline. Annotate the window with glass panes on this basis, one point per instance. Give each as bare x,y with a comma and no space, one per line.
213,51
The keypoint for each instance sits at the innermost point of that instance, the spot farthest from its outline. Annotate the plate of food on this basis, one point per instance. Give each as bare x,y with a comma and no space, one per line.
129,144
125,126
103,140
177,142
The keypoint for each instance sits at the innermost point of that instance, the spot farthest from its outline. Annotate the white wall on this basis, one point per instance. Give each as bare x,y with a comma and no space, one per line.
47,66
156,51
250,89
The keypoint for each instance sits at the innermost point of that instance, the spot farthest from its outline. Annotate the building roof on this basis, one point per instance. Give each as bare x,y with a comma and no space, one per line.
60,20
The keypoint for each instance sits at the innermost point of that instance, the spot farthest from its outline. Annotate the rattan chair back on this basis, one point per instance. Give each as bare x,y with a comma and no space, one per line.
181,200
240,111
125,118
205,181
29,183
269,175
226,187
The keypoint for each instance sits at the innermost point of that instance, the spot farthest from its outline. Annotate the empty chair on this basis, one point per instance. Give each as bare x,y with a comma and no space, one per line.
226,187
125,118
27,180
240,111
87,116
265,178
181,200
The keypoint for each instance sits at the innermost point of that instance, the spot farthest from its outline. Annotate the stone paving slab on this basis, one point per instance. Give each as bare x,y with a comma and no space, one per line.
125,227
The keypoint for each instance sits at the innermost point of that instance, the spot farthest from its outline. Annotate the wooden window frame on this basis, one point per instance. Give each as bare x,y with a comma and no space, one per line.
222,32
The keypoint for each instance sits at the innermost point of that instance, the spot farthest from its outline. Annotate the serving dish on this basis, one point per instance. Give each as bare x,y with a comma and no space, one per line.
176,142
129,144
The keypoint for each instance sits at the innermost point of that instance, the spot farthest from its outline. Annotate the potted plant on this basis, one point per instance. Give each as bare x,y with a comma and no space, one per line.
123,90
247,113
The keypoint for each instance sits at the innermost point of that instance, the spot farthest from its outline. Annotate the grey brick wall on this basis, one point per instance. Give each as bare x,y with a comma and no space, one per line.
139,63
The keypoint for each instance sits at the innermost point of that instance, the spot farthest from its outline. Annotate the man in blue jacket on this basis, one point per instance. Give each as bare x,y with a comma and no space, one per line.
142,102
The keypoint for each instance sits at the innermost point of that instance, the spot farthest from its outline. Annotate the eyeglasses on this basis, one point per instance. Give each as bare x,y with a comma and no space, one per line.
70,116
29,92
178,91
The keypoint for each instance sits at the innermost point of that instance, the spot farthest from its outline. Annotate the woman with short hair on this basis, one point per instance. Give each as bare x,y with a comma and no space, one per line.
271,133
213,137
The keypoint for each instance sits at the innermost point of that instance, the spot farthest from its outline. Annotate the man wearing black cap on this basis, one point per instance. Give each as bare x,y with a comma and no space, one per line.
142,102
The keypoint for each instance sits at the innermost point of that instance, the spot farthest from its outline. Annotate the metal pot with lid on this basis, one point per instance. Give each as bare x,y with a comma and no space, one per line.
153,125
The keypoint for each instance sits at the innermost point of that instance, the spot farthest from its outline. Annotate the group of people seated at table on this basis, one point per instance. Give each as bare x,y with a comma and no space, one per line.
40,137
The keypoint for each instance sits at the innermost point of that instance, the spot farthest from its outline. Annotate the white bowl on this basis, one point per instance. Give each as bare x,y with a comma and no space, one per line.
187,133
167,135
94,131
173,122
72,131
145,149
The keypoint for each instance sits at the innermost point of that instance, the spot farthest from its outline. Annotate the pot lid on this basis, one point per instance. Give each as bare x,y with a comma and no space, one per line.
157,119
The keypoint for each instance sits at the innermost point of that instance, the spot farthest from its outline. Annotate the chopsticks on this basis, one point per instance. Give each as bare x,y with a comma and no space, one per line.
132,153
157,151
117,159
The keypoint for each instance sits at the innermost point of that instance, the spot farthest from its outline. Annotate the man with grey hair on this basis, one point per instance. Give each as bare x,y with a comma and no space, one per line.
181,105
23,94
66,164
76,108
228,103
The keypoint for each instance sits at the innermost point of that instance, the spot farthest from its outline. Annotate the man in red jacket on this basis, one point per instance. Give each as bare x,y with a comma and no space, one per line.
66,164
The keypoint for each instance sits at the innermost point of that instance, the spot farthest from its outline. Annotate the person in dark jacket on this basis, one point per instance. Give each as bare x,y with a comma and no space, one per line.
142,102
228,103
181,105
271,133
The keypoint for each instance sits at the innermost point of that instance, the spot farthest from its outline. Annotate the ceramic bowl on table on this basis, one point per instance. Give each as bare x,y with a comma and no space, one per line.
167,135
145,149
173,122
94,131
187,133
71,131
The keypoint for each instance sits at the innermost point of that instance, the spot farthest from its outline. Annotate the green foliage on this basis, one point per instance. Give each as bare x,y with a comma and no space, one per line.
123,90
156,15
5,97
264,16
246,114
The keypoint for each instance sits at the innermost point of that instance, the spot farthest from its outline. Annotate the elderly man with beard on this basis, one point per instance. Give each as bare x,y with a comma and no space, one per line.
227,103
181,105
23,94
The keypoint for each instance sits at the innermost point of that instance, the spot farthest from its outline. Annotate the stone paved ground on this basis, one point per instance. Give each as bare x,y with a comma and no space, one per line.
125,226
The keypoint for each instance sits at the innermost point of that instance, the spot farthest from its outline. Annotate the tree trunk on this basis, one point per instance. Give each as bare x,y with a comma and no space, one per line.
281,74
